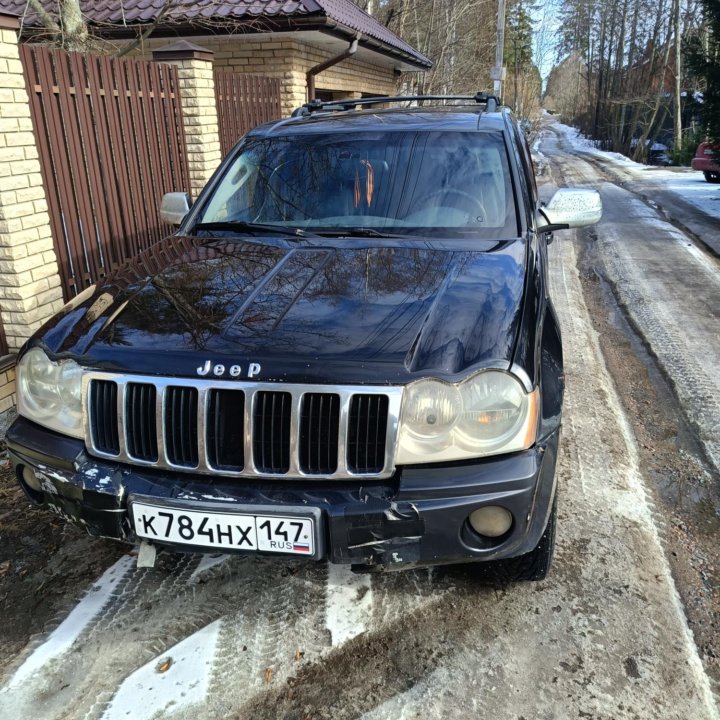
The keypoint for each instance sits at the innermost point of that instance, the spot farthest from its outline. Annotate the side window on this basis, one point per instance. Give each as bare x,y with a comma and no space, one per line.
531,167
521,163
526,162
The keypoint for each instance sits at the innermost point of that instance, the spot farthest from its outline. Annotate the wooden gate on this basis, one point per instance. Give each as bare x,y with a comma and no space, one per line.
244,101
111,142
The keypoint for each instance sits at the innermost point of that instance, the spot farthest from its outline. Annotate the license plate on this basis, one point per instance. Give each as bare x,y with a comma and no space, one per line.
276,533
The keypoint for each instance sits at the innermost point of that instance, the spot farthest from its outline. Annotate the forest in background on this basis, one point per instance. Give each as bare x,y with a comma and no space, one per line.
459,36
628,73
632,72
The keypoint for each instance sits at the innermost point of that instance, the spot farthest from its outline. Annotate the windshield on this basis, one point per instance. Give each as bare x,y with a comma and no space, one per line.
432,183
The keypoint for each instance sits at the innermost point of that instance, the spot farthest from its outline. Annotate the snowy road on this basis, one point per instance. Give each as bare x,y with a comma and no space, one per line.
605,636
670,289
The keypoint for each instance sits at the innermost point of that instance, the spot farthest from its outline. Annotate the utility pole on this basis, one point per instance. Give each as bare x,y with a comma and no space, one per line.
677,100
498,72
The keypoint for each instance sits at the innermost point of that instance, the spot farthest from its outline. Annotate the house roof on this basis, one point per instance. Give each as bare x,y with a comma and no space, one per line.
230,14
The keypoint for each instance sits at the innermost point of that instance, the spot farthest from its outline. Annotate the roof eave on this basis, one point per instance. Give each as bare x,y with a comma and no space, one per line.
332,27
319,23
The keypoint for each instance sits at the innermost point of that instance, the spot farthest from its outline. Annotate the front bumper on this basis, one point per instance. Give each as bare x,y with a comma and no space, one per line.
418,517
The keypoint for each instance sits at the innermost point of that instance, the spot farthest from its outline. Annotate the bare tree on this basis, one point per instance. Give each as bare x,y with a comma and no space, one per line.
67,27
69,30
634,78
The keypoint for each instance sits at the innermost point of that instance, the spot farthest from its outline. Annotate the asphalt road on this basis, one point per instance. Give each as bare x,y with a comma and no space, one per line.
605,636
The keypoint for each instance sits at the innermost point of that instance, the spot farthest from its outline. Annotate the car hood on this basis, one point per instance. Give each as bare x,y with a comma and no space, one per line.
352,311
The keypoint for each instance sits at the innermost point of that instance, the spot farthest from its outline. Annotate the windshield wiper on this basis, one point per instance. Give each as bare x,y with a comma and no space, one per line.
359,232
241,226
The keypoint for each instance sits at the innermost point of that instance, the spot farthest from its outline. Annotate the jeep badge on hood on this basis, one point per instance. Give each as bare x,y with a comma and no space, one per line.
234,371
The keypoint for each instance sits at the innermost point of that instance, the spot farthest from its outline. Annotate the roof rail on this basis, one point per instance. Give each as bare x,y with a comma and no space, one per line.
491,102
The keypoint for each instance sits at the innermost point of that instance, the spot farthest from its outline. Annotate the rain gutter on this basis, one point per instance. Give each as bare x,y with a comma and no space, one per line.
321,67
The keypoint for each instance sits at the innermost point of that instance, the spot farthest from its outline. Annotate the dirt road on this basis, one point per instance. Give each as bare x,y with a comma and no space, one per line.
605,636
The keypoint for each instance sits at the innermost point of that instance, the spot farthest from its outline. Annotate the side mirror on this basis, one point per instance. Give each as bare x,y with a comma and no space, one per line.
174,207
572,209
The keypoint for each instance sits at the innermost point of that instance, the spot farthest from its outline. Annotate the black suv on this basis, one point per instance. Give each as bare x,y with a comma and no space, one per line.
346,352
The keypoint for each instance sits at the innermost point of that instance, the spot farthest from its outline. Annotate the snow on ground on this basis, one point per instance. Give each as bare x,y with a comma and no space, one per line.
349,603
60,641
179,678
689,184
579,142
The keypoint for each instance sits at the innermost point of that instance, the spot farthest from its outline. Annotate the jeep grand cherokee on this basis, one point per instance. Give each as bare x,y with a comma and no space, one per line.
346,352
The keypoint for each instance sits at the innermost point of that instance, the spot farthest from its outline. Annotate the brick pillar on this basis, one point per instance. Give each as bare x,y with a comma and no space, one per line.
30,291
197,90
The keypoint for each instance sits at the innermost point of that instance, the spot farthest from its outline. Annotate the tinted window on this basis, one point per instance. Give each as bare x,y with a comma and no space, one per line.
436,183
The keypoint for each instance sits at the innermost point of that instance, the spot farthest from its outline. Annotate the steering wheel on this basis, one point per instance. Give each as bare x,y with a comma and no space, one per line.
453,191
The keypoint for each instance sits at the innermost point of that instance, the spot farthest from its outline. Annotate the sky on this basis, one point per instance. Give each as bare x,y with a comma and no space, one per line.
546,27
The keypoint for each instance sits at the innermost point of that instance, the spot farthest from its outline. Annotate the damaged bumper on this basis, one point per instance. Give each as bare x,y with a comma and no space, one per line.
418,517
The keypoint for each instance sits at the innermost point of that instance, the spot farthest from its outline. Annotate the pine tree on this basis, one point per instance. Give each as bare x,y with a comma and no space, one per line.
704,60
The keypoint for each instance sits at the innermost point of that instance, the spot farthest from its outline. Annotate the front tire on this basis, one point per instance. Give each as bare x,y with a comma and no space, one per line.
711,177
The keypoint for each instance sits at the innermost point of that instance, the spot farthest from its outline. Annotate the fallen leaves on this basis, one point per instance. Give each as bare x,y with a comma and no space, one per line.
164,665
268,675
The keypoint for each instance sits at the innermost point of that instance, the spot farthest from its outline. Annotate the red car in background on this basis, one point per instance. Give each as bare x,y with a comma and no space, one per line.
707,160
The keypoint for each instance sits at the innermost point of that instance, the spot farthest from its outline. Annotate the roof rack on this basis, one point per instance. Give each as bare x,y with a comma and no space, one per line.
491,102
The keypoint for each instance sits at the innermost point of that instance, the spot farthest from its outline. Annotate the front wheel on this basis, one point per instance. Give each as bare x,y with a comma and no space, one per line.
711,177
534,565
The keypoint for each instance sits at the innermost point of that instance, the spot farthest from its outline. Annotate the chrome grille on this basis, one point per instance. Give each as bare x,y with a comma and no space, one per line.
319,426
181,433
242,429
271,432
366,433
225,423
103,428
140,421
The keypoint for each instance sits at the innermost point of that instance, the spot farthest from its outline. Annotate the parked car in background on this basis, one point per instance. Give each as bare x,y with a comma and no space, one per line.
348,351
707,160
658,155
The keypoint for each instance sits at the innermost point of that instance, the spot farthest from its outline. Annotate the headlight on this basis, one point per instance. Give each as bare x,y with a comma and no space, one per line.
50,393
487,414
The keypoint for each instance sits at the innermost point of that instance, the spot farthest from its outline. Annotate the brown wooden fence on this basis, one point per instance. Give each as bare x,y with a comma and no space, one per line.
111,142
244,101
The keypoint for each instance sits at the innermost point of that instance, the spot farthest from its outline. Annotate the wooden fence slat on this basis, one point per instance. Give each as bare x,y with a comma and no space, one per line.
78,172
135,195
97,196
106,163
142,151
154,181
70,217
124,187
161,158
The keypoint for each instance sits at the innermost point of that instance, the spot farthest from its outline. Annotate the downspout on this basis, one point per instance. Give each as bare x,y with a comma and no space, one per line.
312,72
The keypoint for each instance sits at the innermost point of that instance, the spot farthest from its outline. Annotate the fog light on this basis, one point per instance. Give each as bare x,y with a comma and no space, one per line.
491,521
30,479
